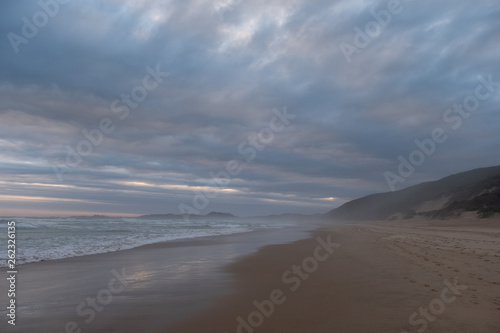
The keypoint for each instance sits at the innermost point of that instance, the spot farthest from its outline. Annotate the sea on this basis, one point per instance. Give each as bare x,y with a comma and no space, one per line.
39,239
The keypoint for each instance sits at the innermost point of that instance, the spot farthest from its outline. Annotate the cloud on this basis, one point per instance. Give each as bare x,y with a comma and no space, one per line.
227,73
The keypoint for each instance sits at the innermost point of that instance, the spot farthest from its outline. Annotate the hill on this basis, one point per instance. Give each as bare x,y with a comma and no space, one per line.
211,215
475,190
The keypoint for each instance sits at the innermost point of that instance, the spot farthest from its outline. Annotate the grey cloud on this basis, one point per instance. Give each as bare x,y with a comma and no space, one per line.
226,75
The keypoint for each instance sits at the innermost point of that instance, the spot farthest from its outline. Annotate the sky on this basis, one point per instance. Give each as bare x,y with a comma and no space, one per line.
252,107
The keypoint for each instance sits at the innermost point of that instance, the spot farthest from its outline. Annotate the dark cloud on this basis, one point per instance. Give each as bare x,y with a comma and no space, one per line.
230,64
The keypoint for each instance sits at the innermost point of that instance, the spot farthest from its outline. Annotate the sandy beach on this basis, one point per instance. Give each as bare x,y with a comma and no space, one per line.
401,277
409,276
232,166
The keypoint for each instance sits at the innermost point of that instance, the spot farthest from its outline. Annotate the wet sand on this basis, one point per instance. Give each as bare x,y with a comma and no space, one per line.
136,290
408,276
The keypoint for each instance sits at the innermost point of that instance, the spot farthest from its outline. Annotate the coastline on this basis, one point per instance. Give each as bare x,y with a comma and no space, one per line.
375,280
418,276
139,289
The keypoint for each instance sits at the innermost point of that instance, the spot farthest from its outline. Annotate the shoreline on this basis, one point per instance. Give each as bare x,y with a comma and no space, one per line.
164,282
176,242
47,254
384,277
280,280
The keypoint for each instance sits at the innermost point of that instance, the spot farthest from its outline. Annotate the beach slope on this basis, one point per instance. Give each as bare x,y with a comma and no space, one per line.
416,276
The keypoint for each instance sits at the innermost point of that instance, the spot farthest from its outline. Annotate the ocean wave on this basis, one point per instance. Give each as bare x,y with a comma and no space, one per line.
50,239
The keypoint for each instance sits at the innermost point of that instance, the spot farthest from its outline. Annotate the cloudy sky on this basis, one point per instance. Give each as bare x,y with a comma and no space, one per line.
246,106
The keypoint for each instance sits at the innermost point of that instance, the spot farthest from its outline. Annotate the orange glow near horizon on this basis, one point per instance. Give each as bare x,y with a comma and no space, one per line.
15,212
27,212
18,198
177,186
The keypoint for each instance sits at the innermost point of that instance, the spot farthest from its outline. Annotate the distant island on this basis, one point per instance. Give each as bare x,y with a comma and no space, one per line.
211,215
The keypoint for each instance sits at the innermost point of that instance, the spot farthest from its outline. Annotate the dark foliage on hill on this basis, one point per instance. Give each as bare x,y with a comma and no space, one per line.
475,190
486,205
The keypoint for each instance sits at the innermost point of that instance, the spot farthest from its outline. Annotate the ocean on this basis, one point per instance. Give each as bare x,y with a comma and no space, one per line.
39,239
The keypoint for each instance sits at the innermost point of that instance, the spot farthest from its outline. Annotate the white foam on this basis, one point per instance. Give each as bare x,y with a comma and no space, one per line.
49,239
